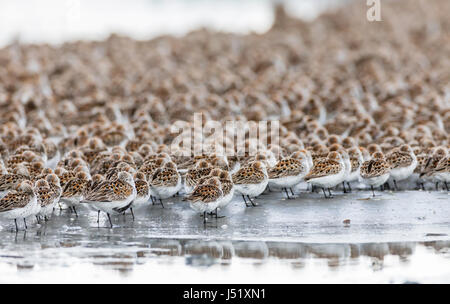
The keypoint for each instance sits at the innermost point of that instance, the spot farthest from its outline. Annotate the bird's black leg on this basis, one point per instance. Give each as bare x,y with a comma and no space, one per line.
204,217
245,201
343,186
132,213
387,186
373,192
98,216
324,193
446,185
75,211
251,201
25,222
437,186
329,192
395,185
313,188
17,227
153,199
160,201
287,193
292,191
349,187
109,218
423,186
38,219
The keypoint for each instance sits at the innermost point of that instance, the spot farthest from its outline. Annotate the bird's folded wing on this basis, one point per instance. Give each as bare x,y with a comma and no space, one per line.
324,168
12,201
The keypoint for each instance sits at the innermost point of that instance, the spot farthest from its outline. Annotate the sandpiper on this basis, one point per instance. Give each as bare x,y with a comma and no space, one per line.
112,197
165,182
45,197
227,188
356,160
327,172
427,173
250,181
19,204
142,190
205,198
403,162
289,172
53,182
73,191
375,172
201,169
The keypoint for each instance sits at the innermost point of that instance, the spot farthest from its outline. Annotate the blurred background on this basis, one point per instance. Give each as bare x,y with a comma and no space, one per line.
56,21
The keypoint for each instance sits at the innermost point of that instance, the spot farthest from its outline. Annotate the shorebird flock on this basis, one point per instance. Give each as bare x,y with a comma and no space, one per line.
360,105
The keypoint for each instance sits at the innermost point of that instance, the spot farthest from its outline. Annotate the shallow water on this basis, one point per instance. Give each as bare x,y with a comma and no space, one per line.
394,237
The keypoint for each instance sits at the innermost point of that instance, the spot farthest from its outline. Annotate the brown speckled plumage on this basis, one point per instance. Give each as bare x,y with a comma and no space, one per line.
286,167
113,138
356,163
11,181
16,199
374,167
190,163
166,177
430,164
195,174
142,187
421,161
443,165
398,159
112,172
65,177
150,166
54,184
44,193
227,185
249,175
205,193
75,187
14,160
109,191
324,167
35,169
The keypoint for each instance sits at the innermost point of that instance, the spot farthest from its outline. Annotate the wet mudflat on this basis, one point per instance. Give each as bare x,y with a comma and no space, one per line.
394,237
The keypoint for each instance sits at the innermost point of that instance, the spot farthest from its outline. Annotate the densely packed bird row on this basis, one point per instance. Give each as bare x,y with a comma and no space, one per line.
88,124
